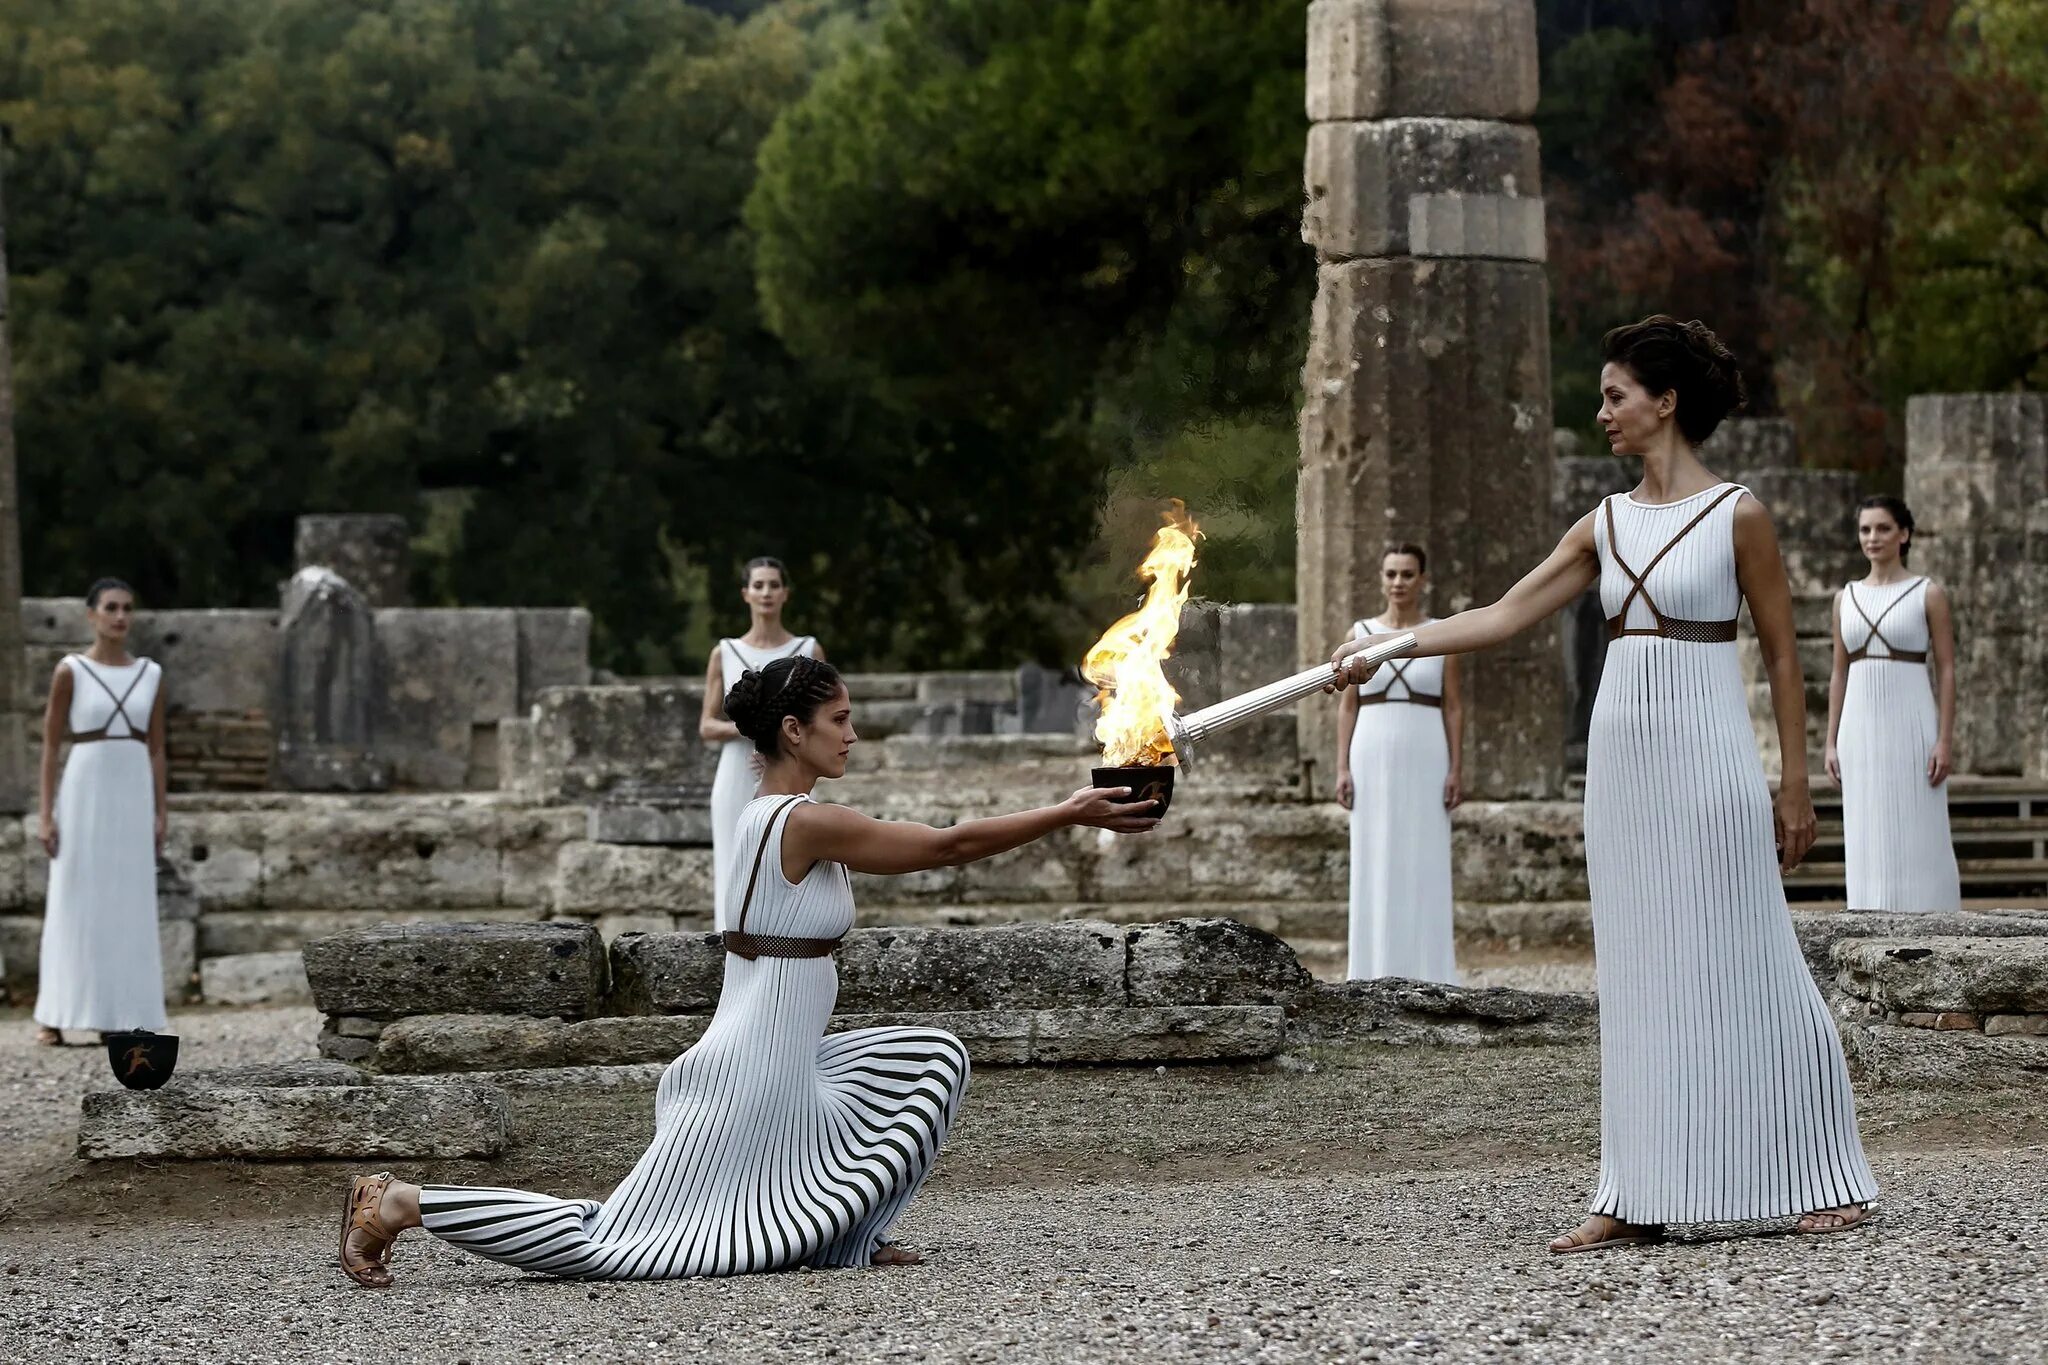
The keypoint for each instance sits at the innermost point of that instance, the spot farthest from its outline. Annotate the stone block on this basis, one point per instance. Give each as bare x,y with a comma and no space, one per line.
517,761
58,622
322,704
15,835
219,854
1211,962
213,661
1426,417
554,650
330,856
1821,930
400,969
1410,1012
1924,1059
1370,59
277,978
593,878
493,1042
666,973
644,822
197,1120
588,740
373,551
178,950
2016,1025
1052,701
1256,644
441,674
1940,975
1019,966
1947,1021
1173,1034
228,933
1430,187
1742,447
989,686
21,952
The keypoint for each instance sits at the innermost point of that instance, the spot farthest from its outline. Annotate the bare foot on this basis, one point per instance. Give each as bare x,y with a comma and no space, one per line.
49,1037
889,1253
1838,1219
1600,1233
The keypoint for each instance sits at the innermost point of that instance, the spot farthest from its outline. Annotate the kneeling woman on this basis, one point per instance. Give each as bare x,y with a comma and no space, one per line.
775,1145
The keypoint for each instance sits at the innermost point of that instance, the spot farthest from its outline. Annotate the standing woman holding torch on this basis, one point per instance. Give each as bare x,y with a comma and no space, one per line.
1723,1091
1400,744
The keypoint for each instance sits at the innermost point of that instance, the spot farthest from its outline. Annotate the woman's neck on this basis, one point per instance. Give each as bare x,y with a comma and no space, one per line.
785,777
767,632
1672,470
1883,574
1401,618
113,653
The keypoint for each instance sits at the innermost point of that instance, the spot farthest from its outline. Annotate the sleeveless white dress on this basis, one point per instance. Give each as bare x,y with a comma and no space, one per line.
1723,1092
1400,831
736,781
102,964
1894,825
775,1146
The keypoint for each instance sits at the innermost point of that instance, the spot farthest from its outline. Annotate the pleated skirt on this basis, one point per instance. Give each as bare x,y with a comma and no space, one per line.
1724,1095
102,962
1895,831
1400,846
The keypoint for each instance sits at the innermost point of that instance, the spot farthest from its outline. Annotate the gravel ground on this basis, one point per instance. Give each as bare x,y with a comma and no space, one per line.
1378,1204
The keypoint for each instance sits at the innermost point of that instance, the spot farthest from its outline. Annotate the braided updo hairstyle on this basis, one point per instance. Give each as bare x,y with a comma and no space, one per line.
1685,358
763,697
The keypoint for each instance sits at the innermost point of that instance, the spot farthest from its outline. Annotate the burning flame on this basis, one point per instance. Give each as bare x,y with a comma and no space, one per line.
1125,663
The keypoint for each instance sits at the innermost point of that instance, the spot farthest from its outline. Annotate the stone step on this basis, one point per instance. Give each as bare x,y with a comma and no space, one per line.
1009,1037
255,979
1922,1058
1980,977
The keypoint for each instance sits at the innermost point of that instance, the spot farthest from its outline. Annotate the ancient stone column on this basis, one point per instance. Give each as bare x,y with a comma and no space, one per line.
1977,481
1427,385
16,787
372,551
326,680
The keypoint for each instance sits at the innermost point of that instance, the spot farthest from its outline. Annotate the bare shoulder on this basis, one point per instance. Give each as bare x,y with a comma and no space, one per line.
1750,510
1937,596
61,675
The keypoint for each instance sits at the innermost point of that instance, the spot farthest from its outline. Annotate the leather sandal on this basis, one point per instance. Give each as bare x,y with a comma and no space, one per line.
1622,1235
1825,1221
364,1263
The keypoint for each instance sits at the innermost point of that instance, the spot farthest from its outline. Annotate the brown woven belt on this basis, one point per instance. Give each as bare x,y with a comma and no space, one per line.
1903,656
1675,628
95,736
751,946
1414,699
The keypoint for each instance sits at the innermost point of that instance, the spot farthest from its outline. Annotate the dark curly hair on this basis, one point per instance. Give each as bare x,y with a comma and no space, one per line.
1897,510
101,587
1685,358
762,697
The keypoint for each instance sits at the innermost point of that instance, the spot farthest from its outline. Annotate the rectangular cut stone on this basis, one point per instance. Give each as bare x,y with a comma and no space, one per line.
323,857
678,973
1019,966
1946,976
588,740
399,969
1411,1013
495,1042
1211,962
1742,446
2007,1025
203,1121
1390,58
21,946
14,839
213,661
1364,178
1171,1034
1481,226
1427,418
444,672
178,952
1911,1057
554,650
277,978
228,933
1821,931
592,878
626,822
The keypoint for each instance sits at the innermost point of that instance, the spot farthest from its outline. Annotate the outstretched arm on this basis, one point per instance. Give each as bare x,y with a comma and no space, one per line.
1760,571
1569,571
837,834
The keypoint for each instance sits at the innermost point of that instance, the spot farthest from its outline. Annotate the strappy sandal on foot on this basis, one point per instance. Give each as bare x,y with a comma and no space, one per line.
894,1253
1825,1221
359,1215
1625,1235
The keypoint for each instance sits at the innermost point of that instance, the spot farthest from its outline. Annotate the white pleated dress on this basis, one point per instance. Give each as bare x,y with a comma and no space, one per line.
736,781
102,964
775,1146
1723,1091
1400,831
1894,825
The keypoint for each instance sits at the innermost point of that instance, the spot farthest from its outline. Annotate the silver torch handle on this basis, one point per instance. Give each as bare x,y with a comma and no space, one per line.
1187,732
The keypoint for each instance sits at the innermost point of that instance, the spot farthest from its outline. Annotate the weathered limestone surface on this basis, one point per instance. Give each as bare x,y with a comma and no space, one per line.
276,978
321,705
1375,59
1427,187
1411,1012
1426,417
1020,966
1820,931
445,678
194,1118
1888,1055
617,878
1977,480
666,973
501,1042
235,932
1936,974
400,969
554,650
373,551
683,821
1211,962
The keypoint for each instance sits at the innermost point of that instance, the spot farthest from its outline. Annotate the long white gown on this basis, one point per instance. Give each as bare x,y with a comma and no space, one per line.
1723,1095
102,965
774,1145
1401,918
1894,825
736,781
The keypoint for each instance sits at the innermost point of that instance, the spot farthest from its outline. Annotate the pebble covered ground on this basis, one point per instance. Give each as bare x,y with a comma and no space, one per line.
1381,1204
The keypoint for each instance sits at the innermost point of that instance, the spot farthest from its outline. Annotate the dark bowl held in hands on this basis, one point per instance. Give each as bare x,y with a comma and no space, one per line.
142,1060
1147,784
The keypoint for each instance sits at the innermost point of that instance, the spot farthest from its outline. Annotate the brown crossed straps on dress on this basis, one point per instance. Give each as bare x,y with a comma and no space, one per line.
1670,627
750,946
120,705
1892,651
1408,692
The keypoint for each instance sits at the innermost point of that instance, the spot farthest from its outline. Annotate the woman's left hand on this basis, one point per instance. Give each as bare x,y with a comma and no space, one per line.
1938,765
162,825
1792,813
1454,792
